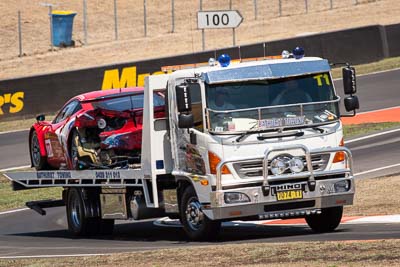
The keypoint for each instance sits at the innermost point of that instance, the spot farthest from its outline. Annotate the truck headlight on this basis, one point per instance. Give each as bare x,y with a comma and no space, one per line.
342,186
278,166
296,165
235,197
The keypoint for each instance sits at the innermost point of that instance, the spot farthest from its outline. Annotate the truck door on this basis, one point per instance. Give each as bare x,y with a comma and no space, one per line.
191,146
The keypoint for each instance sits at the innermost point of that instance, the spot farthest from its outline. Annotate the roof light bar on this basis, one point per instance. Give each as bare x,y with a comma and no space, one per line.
172,68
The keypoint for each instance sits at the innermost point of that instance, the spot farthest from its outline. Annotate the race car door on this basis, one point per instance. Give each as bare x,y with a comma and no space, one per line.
56,139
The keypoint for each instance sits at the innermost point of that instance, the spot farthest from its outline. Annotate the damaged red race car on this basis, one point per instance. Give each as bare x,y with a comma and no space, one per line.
100,129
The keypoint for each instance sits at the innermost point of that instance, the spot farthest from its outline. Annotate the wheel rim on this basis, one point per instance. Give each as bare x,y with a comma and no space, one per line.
75,212
194,215
35,150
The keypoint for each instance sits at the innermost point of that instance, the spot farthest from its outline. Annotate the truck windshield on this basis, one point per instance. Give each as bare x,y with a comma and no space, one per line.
271,104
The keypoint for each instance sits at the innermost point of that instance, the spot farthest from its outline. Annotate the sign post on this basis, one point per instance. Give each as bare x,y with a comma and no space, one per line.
51,21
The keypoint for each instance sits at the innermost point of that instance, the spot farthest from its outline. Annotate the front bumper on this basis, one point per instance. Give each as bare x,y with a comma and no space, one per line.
268,207
319,190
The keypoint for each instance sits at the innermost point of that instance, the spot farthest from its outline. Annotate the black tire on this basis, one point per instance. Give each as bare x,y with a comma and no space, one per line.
78,223
195,223
327,221
38,161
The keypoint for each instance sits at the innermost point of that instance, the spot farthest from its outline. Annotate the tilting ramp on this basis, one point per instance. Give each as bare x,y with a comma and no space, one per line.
86,178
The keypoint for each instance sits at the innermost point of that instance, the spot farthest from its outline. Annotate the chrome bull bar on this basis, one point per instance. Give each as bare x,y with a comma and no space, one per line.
310,174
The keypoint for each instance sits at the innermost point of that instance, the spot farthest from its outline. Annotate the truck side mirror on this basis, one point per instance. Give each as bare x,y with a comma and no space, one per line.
184,105
183,98
185,121
349,80
351,103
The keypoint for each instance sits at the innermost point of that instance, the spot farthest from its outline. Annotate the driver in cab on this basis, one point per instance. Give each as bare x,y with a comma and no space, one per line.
221,101
291,93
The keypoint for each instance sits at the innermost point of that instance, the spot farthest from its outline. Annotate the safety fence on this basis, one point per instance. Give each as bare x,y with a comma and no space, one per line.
26,27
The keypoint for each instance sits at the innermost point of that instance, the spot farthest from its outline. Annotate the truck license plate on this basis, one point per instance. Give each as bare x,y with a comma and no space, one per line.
289,195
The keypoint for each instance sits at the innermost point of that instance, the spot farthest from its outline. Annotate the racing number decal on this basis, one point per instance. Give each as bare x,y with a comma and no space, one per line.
48,148
321,78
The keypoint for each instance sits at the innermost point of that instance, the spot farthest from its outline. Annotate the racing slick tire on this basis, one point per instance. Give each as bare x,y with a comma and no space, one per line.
327,221
79,224
195,223
39,162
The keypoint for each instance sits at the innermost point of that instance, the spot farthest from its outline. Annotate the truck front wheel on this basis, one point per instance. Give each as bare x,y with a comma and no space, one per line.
195,223
327,221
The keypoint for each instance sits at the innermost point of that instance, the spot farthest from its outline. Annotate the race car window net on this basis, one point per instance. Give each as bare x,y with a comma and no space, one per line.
70,109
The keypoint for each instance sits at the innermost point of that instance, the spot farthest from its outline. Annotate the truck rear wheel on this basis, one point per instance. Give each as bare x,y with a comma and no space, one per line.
195,223
79,224
327,221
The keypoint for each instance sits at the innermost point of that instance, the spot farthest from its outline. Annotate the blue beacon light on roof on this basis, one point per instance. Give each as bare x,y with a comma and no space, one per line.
298,52
224,60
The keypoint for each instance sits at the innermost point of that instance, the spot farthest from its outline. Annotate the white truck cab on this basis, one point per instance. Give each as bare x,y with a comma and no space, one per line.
252,140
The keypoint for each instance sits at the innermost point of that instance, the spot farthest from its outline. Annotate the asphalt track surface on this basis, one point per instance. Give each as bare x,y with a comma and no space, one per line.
26,233
46,235
376,152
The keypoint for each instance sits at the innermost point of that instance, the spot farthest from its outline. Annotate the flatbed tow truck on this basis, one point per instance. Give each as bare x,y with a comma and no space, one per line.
260,139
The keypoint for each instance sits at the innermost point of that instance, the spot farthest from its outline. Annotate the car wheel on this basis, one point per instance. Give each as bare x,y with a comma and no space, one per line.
195,223
38,161
327,221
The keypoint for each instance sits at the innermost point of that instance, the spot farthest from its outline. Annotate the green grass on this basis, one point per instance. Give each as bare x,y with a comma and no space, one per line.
10,199
20,124
367,128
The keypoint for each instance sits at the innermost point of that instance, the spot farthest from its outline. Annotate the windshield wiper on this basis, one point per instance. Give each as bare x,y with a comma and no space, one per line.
248,132
318,129
297,134
252,132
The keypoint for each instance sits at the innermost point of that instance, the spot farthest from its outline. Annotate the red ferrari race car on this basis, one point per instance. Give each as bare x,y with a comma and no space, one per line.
100,129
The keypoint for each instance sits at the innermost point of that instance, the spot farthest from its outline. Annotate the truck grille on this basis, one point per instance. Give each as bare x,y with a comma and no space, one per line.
252,169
